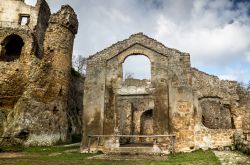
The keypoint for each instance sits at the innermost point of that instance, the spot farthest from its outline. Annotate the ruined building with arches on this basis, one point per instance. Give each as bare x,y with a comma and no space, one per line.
43,101
179,102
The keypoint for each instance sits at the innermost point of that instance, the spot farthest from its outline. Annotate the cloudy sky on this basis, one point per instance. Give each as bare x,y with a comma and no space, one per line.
216,33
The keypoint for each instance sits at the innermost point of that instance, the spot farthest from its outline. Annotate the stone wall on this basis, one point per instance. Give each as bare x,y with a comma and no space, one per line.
104,84
200,109
41,98
17,8
213,138
242,143
130,115
37,17
216,115
42,24
182,117
211,86
245,107
14,76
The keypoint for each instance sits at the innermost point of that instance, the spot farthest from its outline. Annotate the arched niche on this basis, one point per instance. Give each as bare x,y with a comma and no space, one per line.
11,48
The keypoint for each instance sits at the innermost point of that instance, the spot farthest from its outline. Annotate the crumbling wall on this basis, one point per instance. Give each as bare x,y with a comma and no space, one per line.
215,115
14,76
218,100
242,143
221,110
202,110
104,86
42,24
44,112
211,86
130,120
37,18
182,117
244,104
17,8
213,138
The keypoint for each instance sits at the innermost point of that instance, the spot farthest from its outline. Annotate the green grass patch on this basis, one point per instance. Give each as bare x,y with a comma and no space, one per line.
70,155
196,157
11,148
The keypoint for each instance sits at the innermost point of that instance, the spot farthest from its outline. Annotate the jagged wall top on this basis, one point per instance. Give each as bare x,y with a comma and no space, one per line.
66,17
138,38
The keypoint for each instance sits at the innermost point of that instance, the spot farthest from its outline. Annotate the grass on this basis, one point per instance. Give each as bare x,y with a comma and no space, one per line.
61,155
196,157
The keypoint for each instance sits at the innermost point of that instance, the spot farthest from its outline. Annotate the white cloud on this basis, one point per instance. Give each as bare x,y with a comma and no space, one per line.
237,74
214,32
248,56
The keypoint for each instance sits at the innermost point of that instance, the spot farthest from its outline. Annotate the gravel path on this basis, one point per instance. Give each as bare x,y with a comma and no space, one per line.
232,158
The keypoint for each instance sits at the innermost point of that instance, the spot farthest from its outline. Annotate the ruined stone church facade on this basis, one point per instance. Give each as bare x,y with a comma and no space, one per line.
44,102
199,110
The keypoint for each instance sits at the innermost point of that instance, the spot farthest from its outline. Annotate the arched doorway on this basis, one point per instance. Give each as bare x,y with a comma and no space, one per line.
11,48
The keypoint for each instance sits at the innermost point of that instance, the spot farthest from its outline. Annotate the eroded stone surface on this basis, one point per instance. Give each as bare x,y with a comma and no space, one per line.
40,96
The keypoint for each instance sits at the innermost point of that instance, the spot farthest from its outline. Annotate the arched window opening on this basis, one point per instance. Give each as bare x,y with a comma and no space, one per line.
11,48
136,67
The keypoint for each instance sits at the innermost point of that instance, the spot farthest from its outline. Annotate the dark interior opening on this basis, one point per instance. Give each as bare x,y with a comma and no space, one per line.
11,48
23,135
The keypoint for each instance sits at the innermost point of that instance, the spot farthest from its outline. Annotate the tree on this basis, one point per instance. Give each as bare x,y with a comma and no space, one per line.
248,86
79,64
129,75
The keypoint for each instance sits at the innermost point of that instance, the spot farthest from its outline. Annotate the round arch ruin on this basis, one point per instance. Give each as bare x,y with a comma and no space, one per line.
11,48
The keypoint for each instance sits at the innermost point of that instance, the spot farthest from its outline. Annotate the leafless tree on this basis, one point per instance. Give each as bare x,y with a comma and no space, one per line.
248,86
79,63
129,75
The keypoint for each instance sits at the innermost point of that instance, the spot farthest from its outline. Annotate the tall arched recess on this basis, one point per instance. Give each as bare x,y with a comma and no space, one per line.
11,48
136,66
